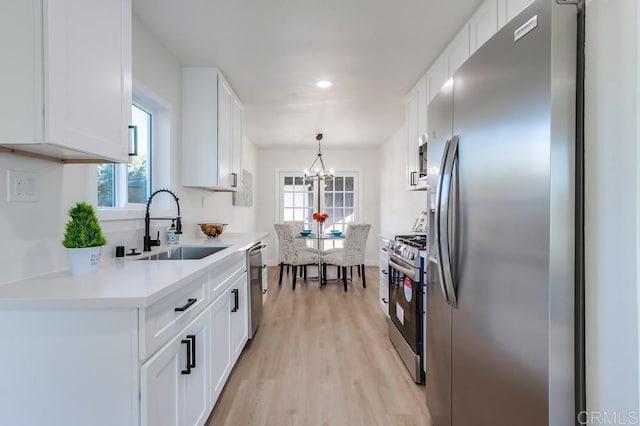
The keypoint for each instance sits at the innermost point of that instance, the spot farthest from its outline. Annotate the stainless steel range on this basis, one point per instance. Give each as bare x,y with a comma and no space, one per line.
406,308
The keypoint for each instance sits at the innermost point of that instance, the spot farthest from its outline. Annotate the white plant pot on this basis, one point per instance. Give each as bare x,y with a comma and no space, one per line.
85,260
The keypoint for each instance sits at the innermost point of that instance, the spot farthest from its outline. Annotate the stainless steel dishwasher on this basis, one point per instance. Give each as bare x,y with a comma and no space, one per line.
254,266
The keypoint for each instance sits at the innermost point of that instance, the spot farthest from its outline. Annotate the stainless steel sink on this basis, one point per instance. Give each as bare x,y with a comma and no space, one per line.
184,253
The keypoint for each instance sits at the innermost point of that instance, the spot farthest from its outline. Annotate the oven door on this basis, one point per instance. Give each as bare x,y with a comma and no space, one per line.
405,302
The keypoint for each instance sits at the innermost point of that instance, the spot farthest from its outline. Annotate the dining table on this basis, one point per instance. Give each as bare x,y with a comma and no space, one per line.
319,240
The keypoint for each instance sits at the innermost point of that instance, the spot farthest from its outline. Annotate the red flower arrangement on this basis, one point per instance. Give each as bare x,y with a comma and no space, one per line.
320,217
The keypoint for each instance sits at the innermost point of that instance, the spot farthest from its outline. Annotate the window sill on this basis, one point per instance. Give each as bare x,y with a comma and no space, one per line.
111,214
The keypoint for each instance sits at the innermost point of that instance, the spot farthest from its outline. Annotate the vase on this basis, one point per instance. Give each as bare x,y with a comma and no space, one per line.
84,260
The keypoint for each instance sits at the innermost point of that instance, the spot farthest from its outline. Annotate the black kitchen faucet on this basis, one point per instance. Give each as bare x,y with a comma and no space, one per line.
147,241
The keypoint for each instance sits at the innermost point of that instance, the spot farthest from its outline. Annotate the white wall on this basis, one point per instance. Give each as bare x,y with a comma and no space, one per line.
612,196
271,160
399,208
32,232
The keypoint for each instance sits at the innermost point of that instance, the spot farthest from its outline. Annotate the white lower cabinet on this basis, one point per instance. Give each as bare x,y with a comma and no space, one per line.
239,316
384,275
174,382
159,365
195,386
265,282
181,382
220,345
229,332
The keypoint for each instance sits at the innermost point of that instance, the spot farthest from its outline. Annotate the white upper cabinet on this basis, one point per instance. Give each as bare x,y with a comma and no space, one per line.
66,78
457,52
236,145
483,24
436,77
225,111
509,9
412,138
416,120
211,131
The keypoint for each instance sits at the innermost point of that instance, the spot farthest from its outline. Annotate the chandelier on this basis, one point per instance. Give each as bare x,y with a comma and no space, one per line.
318,170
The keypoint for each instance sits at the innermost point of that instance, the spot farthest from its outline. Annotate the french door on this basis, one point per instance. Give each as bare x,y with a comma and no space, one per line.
339,198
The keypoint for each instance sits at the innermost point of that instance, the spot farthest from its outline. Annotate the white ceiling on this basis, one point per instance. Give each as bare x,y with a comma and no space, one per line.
273,51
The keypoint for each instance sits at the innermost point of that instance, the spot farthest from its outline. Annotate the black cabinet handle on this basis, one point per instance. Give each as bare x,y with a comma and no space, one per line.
186,306
384,300
236,300
235,180
135,141
192,338
384,271
188,343
264,291
413,180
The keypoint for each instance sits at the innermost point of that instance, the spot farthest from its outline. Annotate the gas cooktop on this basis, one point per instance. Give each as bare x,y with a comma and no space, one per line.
418,241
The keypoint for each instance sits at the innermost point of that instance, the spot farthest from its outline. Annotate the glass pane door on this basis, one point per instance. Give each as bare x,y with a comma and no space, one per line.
296,199
340,203
337,197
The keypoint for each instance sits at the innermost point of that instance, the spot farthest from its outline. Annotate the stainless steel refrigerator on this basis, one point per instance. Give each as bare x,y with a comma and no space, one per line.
500,289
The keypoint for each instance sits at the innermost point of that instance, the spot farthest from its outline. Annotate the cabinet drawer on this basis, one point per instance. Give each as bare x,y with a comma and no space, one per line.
384,275
384,261
265,288
384,295
224,273
164,319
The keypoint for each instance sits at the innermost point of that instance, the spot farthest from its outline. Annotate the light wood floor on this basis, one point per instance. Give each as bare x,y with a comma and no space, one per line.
321,357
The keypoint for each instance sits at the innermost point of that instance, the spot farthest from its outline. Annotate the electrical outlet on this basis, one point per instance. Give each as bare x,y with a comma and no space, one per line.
23,187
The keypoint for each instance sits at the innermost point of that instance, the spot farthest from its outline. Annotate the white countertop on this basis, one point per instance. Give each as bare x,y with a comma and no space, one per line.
122,283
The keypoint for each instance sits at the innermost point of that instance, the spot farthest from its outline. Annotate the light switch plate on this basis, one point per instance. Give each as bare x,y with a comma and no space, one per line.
23,187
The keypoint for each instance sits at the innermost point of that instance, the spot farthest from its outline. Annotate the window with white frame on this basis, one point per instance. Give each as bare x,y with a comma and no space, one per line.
120,185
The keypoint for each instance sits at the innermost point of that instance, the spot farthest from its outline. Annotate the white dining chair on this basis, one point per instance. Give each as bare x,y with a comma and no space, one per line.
301,243
352,253
292,255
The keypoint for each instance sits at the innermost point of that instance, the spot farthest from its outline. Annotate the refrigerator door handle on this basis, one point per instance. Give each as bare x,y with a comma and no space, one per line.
437,234
436,264
444,246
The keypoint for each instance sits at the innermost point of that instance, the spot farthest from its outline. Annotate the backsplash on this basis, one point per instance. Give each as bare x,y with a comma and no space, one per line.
33,231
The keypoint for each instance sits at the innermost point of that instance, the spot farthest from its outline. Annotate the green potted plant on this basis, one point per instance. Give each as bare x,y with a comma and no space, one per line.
84,239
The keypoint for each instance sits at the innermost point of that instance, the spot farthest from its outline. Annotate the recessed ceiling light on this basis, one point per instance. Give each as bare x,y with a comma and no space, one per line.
323,84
